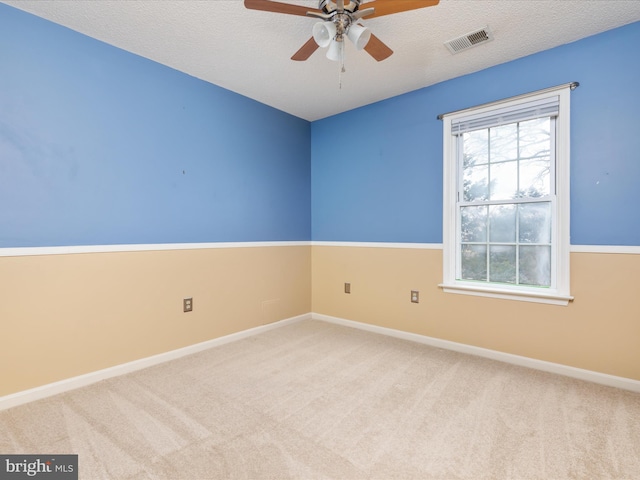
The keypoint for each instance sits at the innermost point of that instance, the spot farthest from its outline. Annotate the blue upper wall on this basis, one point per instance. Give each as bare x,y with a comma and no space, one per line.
384,182
99,146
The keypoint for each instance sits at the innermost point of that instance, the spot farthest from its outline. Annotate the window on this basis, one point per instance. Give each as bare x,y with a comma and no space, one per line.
506,199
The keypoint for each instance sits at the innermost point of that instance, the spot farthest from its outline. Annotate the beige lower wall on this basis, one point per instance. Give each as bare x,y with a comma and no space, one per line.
599,331
66,315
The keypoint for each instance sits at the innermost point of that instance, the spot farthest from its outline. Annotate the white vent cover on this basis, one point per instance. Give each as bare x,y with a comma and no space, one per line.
469,40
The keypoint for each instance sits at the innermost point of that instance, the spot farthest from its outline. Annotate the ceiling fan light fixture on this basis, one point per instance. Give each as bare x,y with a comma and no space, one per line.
359,35
337,16
334,52
324,33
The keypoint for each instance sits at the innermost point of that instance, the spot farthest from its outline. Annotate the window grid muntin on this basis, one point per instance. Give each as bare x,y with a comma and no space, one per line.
518,200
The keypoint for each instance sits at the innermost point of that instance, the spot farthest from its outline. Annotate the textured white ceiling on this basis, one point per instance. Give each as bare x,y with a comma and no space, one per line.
249,51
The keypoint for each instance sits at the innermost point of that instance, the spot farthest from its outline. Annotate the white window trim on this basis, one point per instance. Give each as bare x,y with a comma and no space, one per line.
560,295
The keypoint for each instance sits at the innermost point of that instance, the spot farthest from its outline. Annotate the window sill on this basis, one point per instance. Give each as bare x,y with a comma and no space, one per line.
548,297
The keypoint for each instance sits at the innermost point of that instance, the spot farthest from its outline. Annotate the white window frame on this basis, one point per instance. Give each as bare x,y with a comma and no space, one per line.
559,292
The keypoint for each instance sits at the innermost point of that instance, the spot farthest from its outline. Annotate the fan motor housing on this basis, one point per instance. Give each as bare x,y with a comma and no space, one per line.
330,6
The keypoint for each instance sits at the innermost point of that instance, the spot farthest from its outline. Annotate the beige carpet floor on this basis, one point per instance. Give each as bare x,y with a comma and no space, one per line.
313,400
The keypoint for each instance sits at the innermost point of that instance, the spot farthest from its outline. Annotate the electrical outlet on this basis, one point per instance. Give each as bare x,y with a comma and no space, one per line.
415,296
187,304
347,288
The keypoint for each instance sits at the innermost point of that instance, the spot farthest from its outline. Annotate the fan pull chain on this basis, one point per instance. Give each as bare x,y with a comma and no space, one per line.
342,70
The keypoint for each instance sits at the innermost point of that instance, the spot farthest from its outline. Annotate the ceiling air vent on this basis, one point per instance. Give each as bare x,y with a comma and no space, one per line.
469,40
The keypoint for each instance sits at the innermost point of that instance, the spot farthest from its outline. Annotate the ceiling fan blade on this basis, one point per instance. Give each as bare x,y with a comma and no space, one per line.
305,51
387,7
279,7
378,49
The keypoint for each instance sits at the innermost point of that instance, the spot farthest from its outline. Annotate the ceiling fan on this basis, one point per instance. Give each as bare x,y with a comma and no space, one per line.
340,19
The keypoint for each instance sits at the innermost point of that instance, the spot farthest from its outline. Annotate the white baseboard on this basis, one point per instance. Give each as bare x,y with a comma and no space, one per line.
19,398
73,383
588,375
